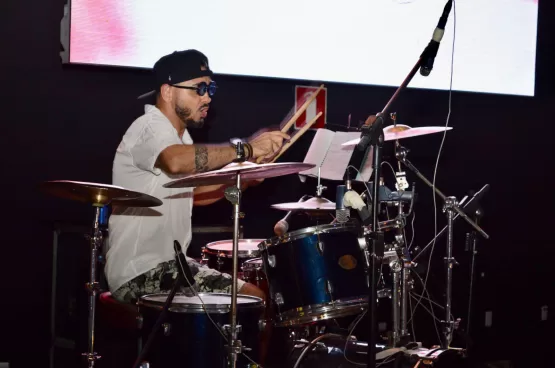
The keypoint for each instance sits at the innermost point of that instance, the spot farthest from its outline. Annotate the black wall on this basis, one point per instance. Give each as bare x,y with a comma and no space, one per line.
65,123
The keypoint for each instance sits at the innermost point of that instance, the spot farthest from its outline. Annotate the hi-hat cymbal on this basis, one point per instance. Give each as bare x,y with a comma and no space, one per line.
315,204
400,131
248,171
98,194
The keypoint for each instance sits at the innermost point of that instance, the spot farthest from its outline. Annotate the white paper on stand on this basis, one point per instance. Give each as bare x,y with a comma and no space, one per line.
328,153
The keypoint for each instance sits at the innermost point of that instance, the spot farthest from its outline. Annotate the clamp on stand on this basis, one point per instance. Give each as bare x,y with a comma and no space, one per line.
320,188
450,207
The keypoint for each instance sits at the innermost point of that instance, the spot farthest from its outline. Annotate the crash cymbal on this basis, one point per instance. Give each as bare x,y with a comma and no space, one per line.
400,131
98,194
314,204
248,170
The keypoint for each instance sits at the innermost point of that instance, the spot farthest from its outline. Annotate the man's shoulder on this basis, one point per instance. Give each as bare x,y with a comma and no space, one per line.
152,118
143,120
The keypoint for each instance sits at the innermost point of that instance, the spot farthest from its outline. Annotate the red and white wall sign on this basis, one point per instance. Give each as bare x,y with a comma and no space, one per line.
303,93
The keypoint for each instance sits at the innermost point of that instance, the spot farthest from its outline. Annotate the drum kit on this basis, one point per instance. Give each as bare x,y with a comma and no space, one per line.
310,275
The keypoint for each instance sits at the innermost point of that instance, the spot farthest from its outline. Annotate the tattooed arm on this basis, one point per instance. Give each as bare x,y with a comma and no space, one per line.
197,158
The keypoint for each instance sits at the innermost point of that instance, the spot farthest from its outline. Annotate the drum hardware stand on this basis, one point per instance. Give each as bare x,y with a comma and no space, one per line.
96,240
450,207
401,271
234,346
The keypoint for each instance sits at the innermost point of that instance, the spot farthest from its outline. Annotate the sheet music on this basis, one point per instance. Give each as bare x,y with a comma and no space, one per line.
318,149
327,151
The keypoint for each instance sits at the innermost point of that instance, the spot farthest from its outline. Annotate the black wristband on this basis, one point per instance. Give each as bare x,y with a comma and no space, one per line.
250,152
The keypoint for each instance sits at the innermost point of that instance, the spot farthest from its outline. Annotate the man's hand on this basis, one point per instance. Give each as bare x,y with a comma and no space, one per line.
371,119
267,144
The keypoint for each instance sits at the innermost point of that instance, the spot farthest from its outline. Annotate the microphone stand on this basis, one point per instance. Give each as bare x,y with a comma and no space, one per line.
450,207
472,239
372,136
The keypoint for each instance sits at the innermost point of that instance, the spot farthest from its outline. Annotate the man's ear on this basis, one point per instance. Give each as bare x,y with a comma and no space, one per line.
166,92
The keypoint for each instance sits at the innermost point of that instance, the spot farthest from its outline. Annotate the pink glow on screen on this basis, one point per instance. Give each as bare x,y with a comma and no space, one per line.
100,32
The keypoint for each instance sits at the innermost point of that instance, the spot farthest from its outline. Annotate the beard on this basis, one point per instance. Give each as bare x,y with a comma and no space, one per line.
184,115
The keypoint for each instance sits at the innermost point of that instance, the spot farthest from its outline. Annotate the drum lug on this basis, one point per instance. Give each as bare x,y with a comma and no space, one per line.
167,329
140,322
227,329
204,258
321,247
330,288
279,299
219,262
262,324
272,261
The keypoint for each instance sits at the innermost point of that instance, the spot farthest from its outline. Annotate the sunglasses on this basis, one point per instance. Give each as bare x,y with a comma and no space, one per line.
202,88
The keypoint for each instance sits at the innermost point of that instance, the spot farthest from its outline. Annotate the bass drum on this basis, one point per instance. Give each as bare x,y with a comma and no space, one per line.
315,273
189,338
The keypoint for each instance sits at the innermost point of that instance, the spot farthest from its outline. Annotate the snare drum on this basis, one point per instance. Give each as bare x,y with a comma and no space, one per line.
218,254
315,273
189,338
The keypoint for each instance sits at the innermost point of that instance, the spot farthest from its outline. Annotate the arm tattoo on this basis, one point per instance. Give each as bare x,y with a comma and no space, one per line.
201,159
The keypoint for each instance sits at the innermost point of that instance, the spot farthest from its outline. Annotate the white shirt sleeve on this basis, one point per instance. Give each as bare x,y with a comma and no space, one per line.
155,137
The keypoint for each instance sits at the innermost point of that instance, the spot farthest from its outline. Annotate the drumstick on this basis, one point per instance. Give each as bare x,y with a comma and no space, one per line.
294,118
297,135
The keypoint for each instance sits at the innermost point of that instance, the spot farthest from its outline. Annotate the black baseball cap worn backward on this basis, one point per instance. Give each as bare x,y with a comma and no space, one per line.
178,67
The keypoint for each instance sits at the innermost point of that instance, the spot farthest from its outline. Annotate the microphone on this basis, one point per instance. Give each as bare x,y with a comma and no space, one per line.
282,226
430,52
342,213
183,266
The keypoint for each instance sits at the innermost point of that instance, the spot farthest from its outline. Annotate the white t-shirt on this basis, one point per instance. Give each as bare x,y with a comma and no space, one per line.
141,238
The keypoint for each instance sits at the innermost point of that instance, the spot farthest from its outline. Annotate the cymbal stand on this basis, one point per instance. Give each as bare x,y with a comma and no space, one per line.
450,207
96,240
234,347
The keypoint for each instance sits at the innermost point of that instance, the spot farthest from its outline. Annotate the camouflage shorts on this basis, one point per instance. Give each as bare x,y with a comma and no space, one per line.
162,278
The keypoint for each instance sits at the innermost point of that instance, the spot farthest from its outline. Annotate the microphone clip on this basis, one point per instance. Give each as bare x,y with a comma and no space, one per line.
372,133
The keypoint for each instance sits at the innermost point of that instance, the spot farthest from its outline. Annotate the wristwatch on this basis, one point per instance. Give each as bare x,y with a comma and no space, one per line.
244,149
239,146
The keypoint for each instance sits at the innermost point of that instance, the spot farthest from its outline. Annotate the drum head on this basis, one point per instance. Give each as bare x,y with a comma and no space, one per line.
247,247
213,302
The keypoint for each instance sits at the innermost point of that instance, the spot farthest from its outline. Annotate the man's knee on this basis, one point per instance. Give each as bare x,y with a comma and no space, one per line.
252,290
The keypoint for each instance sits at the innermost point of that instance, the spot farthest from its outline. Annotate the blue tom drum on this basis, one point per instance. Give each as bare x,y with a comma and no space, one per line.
316,273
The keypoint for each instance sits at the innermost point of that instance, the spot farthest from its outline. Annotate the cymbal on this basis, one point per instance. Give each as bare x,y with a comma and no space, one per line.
248,171
400,131
313,204
98,194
